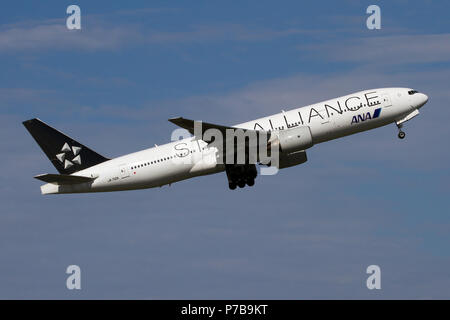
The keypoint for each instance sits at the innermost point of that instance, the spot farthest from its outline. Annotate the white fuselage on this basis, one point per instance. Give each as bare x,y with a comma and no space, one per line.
184,159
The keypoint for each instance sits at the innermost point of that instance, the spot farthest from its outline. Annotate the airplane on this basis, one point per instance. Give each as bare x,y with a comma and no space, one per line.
83,170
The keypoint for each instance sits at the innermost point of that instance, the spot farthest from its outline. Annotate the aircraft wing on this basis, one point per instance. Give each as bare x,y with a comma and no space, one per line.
189,126
60,179
237,174
262,139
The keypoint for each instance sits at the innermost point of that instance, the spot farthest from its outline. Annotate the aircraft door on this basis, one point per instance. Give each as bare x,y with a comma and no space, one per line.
124,171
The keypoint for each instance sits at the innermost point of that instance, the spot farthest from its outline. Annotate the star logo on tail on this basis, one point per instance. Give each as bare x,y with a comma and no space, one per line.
66,152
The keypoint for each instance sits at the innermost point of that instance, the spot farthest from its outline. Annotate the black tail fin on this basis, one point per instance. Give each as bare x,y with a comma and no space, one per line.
67,155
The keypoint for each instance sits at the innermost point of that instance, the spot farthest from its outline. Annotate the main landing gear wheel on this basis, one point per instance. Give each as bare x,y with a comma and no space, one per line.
232,185
240,175
251,182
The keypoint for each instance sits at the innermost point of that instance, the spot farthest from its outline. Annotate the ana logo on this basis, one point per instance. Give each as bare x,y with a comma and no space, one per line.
366,116
66,152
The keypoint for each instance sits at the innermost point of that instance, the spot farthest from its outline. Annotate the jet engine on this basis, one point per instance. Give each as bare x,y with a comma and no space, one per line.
292,140
291,159
292,144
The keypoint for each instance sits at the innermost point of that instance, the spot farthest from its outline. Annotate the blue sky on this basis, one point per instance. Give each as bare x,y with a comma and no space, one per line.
308,232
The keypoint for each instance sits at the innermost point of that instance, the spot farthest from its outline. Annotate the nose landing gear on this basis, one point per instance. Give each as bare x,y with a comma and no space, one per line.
401,134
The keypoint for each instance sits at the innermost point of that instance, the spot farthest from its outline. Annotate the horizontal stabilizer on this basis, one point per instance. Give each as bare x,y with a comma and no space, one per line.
61,179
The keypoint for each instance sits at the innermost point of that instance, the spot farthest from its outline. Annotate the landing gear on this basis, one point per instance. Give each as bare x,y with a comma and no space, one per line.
401,134
240,175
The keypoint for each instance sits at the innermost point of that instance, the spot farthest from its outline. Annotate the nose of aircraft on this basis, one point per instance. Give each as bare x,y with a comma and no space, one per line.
423,98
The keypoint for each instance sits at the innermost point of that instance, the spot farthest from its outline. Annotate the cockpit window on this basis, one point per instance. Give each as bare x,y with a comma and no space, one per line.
412,91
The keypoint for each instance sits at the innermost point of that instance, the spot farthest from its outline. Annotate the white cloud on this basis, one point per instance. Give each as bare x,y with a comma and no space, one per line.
101,35
51,36
395,49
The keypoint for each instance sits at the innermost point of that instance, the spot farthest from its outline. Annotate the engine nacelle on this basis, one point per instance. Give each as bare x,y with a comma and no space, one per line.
291,159
293,140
